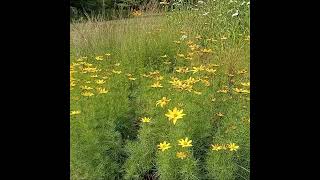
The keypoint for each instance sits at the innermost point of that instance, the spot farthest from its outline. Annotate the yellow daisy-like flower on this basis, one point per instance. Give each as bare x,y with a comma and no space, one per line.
72,83
174,115
132,79
87,94
216,147
185,142
246,84
162,102
197,92
210,70
99,58
243,71
244,91
156,85
219,114
223,38
182,70
180,55
86,87
164,146
116,72
181,155
198,37
198,69
233,147
145,120
100,81
206,50
108,54
102,90
74,113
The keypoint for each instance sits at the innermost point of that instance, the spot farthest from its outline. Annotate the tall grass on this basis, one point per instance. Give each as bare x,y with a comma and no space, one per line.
108,141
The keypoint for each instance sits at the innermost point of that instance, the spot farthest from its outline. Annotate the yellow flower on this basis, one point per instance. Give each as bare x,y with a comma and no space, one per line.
216,147
244,91
117,64
94,76
219,114
86,87
164,146
243,71
116,72
233,147
137,13
99,58
223,38
181,155
223,90
100,81
156,85
162,102
145,120
87,93
206,50
108,54
74,113
180,55
198,37
164,56
72,83
89,69
214,65
198,69
159,78
246,84
197,92
102,91
174,115
210,70
183,32
182,70
190,54
132,79
185,142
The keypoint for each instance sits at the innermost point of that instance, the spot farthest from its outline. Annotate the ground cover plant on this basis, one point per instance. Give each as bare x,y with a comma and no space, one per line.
162,96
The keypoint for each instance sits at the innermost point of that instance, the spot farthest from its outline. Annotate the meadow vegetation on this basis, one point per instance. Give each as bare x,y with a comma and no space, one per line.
162,97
